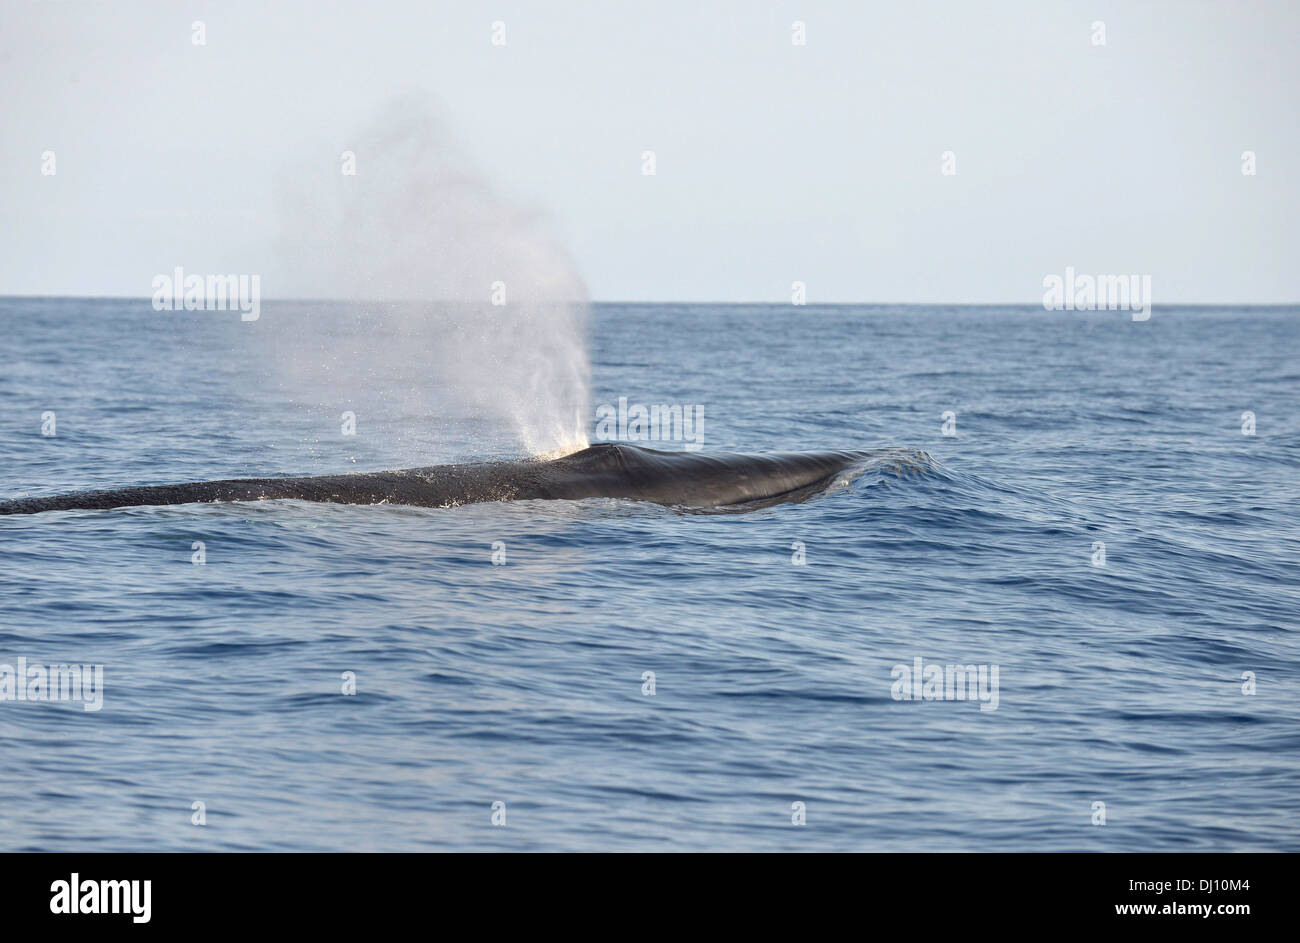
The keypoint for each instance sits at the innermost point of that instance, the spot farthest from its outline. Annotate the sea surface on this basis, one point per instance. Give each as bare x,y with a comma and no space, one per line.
1157,693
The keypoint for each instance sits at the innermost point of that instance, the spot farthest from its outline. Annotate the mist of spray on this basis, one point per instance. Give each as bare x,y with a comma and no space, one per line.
467,305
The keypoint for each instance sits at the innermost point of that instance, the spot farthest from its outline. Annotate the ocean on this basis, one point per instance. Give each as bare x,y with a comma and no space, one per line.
1105,530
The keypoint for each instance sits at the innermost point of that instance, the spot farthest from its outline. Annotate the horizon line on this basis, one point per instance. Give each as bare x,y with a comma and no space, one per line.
637,301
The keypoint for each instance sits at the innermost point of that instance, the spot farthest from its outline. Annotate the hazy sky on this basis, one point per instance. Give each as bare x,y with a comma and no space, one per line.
775,162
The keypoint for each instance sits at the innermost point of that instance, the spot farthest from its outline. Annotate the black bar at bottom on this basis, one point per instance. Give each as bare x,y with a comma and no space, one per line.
948,893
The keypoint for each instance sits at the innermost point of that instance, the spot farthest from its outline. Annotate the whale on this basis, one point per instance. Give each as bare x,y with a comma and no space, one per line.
687,479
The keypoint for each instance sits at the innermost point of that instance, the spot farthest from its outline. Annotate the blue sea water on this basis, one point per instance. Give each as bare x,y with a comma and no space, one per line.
1121,684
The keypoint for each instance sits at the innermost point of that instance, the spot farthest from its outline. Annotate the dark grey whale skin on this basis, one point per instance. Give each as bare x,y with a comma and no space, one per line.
684,479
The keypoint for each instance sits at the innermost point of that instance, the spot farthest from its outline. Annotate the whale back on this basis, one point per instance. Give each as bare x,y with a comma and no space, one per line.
683,479
695,479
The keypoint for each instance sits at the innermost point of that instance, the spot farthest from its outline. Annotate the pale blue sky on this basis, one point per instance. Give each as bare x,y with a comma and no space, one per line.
776,162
